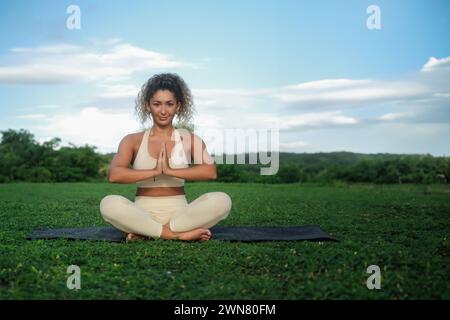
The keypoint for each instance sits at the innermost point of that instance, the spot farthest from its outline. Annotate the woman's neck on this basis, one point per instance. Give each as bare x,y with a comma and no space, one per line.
162,132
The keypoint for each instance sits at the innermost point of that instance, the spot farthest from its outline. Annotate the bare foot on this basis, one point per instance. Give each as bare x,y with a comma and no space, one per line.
134,237
199,234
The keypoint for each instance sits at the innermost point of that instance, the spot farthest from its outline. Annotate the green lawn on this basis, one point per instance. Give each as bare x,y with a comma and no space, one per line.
402,229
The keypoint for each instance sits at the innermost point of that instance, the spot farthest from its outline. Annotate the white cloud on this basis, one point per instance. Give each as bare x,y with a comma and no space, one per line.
343,91
319,119
50,49
63,63
394,116
90,125
328,84
293,122
434,64
418,98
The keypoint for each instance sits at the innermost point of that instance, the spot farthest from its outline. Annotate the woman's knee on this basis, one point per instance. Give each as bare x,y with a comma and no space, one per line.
109,205
223,201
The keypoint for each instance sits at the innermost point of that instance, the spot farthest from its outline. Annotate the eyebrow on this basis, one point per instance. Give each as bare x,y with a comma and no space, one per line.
160,101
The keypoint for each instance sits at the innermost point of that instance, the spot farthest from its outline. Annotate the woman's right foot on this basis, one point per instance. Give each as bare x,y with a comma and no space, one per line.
134,237
199,234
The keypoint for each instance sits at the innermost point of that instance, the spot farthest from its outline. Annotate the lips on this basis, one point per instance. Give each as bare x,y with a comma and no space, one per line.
161,118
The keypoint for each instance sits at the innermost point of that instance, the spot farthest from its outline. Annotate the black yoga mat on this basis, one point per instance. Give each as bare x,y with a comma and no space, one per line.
107,233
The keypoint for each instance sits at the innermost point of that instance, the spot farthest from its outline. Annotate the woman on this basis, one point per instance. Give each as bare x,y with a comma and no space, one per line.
159,158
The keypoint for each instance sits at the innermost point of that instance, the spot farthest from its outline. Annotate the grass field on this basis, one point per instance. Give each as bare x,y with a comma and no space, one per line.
402,229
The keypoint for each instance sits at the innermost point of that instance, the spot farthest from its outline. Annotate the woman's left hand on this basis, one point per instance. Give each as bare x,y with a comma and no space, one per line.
165,160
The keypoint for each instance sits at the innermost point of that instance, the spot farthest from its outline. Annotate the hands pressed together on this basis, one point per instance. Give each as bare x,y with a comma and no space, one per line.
162,165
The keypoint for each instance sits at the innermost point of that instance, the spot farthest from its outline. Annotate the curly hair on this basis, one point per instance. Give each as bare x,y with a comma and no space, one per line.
175,84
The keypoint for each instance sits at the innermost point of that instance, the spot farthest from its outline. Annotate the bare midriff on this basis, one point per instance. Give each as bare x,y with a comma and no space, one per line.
160,191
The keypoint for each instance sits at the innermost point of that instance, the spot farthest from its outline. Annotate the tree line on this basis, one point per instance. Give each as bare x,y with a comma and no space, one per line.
24,159
345,167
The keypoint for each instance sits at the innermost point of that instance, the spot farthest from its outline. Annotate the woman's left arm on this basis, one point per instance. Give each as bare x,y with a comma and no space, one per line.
204,166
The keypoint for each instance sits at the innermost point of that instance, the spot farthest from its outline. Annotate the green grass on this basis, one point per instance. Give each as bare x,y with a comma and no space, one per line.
403,229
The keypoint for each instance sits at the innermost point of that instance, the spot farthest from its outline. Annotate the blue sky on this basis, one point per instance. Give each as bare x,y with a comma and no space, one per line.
311,68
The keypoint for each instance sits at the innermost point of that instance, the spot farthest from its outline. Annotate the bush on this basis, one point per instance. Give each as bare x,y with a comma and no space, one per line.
23,159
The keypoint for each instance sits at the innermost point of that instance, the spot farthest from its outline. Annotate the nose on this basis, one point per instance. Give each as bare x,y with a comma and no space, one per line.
163,111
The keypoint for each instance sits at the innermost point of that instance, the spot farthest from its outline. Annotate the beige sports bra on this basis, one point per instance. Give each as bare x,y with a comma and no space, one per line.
177,159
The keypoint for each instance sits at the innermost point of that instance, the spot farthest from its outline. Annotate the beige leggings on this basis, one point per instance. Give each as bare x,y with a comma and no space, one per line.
147,215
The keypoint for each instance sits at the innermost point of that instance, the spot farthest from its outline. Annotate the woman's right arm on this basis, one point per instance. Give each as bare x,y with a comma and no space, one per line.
119,171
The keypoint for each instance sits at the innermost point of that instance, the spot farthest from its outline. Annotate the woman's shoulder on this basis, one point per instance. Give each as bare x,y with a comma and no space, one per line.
134,137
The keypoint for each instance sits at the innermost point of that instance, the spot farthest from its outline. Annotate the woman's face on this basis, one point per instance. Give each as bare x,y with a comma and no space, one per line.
163,107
